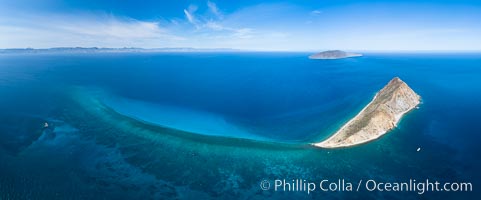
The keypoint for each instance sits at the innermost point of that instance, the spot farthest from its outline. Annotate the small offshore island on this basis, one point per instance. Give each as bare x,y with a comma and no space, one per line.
377,118
333,54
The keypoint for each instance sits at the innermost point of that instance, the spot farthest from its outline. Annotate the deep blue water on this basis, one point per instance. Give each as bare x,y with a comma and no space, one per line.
142,125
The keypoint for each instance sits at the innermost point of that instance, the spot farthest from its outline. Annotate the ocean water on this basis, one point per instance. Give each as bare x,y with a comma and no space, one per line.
214,125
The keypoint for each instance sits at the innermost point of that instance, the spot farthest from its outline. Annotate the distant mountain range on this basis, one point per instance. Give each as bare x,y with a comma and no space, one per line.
110,50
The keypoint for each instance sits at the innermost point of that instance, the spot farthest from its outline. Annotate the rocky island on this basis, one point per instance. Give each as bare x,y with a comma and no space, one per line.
333,54
377,118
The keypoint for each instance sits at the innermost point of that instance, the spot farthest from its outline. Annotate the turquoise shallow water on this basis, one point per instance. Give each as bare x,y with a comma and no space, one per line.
213,125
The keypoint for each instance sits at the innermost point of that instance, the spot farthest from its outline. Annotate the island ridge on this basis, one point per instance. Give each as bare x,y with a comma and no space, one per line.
333,54
377,118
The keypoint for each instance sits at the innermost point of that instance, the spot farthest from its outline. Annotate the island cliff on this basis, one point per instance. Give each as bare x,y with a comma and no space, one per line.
334,54
377,118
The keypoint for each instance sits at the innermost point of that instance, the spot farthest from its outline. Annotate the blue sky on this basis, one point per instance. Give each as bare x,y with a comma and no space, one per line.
303,25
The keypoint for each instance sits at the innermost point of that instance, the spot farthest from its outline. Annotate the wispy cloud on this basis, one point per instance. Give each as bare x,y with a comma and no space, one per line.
215,25
315,13
83,30
243,33
214,9
125,29
189,14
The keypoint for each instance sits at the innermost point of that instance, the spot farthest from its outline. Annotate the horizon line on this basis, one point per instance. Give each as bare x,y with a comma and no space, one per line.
219,49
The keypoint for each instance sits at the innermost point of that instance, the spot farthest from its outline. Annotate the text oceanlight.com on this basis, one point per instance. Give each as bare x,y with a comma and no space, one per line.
341,185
